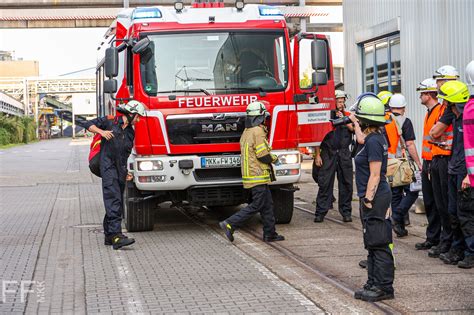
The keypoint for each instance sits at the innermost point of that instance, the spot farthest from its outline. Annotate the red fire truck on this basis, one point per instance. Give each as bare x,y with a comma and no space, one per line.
196,69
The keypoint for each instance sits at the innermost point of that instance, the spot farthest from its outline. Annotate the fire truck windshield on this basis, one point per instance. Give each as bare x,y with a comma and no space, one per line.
218,62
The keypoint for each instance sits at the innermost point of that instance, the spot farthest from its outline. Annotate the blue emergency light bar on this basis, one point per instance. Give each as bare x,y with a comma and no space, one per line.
146,13
266,10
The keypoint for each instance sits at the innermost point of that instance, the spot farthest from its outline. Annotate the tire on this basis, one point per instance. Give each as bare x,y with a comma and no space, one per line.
138,215
283,203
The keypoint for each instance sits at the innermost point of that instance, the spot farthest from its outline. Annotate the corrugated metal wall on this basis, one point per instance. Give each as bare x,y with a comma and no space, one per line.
432,33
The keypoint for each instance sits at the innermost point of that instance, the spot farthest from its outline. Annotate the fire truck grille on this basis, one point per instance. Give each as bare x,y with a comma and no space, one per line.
205,130
202,175
215,195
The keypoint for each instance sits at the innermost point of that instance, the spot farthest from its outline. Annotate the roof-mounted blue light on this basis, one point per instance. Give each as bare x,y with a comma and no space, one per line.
266,10
146,13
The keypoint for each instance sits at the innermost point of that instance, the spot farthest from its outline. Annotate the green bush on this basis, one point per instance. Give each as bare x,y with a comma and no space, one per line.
16,129
4,137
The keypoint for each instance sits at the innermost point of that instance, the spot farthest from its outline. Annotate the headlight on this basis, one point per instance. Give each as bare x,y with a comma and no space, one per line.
289,158
150,165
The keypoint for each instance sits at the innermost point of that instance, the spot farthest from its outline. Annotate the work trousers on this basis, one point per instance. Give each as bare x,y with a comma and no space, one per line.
454,185
378,242
466,218
402,200
335,163
439,181
112,189
433,230
261,202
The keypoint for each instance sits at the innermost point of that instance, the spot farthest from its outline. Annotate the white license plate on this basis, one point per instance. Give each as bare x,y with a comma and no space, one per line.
220,161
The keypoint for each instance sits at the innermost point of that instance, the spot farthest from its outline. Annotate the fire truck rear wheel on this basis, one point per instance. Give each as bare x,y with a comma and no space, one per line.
138,215
283,203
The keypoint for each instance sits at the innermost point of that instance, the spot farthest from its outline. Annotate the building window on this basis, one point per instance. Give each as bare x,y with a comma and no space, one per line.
381,65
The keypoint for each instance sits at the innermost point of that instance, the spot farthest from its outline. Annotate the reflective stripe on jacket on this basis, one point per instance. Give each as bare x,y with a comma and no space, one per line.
253,144
468,128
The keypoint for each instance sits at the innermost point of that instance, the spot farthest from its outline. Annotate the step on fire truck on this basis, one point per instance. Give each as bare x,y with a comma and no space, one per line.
196,69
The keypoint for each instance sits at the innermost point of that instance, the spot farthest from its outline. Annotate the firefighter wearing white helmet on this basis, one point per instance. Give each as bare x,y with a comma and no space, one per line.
116,145
333,158
428,91
257,173
401,136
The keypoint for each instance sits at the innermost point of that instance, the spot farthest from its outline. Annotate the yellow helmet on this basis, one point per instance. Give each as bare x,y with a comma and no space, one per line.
385,96
454,92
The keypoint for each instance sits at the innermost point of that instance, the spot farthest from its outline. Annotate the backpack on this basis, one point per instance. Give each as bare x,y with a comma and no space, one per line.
94,154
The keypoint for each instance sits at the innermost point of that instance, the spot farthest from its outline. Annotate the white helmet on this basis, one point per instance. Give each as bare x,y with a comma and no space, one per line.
427,85
470,73
341,94
397,101
446,73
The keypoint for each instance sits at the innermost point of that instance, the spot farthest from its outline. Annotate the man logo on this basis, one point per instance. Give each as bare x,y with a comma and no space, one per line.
219,127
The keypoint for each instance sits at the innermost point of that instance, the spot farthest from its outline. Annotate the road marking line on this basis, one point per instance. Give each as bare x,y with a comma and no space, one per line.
134,304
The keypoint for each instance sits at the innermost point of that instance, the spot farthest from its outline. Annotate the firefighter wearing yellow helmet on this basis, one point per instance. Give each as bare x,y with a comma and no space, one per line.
257,173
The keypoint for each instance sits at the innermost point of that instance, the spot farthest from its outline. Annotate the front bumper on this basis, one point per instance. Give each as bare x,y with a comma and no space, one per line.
172,177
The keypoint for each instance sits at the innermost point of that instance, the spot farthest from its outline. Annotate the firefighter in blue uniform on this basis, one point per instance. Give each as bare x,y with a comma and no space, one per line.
115,150
333,159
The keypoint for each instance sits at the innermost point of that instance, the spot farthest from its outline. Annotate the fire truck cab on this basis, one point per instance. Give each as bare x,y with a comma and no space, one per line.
196,69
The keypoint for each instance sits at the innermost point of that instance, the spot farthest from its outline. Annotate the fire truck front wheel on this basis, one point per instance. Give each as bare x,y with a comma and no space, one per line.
138,212
283,203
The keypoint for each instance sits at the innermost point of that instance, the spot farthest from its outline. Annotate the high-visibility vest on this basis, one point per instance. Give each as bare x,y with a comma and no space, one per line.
431,118
394,133
446,137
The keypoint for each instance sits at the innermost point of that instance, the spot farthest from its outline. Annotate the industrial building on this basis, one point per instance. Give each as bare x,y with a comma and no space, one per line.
395,44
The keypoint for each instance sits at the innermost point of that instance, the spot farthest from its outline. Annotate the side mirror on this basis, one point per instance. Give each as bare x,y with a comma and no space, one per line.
141,46
319,54
320,78
111,62
110,86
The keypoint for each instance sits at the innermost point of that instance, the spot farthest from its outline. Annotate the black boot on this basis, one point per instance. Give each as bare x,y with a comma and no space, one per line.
425,245
228,230
452,257
467,262
406,219
108,239
120,240
435,251
273,238
375,294
358,293
399,229
319,218
347,218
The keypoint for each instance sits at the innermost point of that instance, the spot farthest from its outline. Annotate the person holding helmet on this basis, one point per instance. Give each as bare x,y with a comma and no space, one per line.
466,199
455,94
375,197
428,96
333,158
257,173
116,145
401,136
442,140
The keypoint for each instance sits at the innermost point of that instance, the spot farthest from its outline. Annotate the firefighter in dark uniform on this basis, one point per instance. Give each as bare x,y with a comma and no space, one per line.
333,158
257,173
375,197
116,145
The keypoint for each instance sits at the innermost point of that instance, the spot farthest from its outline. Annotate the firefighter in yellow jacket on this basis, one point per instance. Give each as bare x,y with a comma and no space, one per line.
257,173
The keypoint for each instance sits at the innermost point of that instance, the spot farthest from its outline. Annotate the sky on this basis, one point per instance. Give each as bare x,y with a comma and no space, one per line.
58,50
